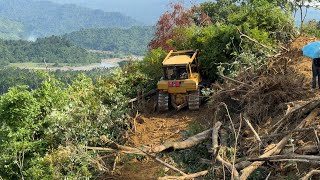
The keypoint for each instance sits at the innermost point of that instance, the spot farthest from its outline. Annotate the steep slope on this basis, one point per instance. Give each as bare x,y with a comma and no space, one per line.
42,18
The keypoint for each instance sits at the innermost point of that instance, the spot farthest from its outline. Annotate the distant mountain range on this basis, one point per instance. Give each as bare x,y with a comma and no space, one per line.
147,11
28,18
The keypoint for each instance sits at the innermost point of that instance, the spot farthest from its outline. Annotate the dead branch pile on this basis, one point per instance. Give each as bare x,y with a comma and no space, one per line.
269,89
281,121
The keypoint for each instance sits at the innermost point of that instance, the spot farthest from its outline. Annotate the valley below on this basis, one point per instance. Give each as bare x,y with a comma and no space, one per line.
105,63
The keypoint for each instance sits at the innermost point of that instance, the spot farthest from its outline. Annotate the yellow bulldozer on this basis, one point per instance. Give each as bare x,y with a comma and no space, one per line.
180,85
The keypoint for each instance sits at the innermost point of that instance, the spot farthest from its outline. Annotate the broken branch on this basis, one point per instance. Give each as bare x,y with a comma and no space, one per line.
276,150
188,176
252,129
234,172
310,174
190,142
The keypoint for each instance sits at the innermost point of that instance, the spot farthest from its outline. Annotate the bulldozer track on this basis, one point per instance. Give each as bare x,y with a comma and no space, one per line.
194,100
163,101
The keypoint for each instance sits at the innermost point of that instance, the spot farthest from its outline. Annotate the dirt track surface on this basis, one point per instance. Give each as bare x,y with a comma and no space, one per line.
156,129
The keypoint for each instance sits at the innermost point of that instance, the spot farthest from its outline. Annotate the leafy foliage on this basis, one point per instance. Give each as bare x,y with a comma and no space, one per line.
176,18
312,28
218,30
133,40
10,77
42,129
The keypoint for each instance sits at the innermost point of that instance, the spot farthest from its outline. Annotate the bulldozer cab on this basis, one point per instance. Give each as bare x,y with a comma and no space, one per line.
181,79
180,65
175,72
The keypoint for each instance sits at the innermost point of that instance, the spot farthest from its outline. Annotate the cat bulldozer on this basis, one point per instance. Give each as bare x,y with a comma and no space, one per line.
180,85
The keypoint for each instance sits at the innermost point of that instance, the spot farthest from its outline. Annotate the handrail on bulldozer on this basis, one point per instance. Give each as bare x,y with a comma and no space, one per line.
171,52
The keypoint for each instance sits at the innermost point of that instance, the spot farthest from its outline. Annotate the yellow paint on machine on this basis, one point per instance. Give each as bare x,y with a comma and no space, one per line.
185,86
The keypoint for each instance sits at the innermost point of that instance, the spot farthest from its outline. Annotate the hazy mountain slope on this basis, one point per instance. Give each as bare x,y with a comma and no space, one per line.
147,11
10,29
134,40
42,18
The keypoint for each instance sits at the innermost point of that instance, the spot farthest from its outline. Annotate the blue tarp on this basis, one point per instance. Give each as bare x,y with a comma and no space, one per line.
312,50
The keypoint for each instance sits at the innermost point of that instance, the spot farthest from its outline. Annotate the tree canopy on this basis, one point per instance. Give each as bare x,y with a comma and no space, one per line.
220,29
50,49
130,41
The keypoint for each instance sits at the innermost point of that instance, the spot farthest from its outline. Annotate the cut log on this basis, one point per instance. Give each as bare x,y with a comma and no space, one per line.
185,177
190,142
297,113
245,173
287,132
310,174
290,156
253,130
231,168
113,150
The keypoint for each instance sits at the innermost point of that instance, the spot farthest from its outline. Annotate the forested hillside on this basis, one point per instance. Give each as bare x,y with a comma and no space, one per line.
133,40
10,77
43,18
51,49
10,29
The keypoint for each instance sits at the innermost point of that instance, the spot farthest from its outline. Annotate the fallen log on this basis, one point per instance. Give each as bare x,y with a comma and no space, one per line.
286,132
185,177
113,150
253,130
231,168
297,113
310,174
190,142
290,156
298,160
245,173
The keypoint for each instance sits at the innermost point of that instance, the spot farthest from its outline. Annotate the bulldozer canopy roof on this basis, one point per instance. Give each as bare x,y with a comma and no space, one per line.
181,59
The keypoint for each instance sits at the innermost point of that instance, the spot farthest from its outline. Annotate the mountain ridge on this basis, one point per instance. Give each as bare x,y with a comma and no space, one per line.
45,18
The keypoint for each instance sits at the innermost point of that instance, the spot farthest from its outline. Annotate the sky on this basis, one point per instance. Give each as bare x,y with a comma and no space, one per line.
146,11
